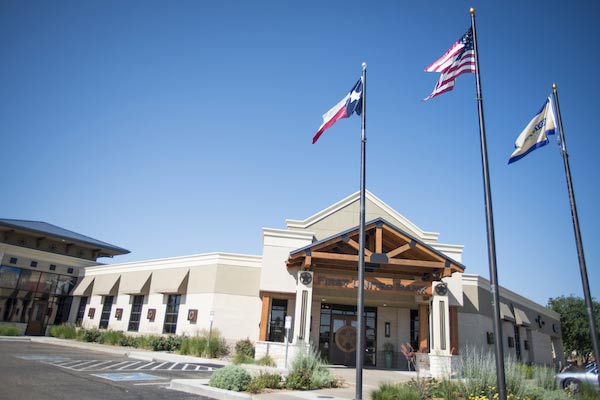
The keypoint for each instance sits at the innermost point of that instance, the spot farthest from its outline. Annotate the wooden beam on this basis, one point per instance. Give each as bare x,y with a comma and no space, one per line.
399,250
264,316
453,330
416,263
38,241
355,245
379,239
423,328
307,261
334,256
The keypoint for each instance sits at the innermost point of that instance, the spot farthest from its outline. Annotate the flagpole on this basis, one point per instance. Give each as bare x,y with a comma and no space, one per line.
491,242
582,268
361,240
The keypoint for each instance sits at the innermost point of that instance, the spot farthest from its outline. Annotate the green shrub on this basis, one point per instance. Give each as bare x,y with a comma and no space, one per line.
308,372
217,347
164,343
544,377
231,377
240,358
515,377
555,395
266,361
9,330
111,337
424,387
91,335
534,393
264,381
244,347
195,346
587,391
479,371
390,391
446,389
128,341
65,331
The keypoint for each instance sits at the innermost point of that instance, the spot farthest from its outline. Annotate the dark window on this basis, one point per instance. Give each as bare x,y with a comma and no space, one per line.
70,271
277,321
173,302
517,343
105,316
33,264
81,310
414,329
136,313
13,260
63,308
52,267
9,276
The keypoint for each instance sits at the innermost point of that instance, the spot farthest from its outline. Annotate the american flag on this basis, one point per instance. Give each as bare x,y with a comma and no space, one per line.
459,59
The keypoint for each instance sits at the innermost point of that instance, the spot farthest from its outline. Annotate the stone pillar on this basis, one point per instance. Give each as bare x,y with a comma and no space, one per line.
303,307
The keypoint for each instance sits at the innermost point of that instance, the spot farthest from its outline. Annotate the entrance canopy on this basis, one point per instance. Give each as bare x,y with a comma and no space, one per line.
389,251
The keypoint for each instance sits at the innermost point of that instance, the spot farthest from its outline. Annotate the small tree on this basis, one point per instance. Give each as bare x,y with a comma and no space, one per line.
574,324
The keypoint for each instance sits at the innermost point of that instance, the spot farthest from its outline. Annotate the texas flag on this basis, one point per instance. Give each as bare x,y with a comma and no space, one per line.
345,108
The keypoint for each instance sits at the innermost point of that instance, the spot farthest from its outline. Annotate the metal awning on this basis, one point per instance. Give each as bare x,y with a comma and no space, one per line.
106,285
84,287
505,312
135,282
521,317
170,281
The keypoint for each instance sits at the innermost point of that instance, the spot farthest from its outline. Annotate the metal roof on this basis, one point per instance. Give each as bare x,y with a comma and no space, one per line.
45,228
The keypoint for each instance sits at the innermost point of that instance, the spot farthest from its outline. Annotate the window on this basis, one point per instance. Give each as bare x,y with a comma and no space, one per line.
33,264
13,260
9,276
136,313
105,316
173,302
81,310
277,321
52,267
69,270
63,308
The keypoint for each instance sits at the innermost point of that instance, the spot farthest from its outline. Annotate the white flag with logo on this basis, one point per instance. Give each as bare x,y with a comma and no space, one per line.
535,134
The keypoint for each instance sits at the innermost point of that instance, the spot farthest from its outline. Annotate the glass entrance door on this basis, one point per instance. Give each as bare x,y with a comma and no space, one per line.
343,340
337,334
36,324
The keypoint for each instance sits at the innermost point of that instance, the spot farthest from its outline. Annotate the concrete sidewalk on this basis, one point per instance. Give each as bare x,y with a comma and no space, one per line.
371,377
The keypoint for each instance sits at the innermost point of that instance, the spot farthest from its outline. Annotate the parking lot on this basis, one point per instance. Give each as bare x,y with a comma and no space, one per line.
43,371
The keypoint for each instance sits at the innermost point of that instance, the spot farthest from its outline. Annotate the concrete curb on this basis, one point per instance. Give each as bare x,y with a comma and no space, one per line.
200,387
15,339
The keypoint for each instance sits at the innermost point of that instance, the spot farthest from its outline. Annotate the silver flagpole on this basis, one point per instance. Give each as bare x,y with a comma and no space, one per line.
491,241
582,268
361,241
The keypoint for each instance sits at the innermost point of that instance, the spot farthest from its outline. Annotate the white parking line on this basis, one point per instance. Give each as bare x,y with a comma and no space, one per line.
153,383
145,365
114,365
74,366
89,367
159,365
172,366
128,365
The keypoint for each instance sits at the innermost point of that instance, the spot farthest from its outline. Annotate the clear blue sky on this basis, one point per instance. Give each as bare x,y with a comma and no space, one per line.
176,128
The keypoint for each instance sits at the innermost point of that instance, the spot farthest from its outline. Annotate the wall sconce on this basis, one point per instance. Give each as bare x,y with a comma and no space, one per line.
490,337
511,341
91,313
387,329
119,314
192,316
151,314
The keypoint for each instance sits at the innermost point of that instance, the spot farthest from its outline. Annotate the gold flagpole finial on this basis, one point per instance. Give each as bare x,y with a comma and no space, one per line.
554,86
472,11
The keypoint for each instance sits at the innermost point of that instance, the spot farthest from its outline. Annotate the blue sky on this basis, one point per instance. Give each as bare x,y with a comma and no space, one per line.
176,128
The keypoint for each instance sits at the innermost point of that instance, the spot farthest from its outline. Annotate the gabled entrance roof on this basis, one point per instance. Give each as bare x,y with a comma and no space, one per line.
388,250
